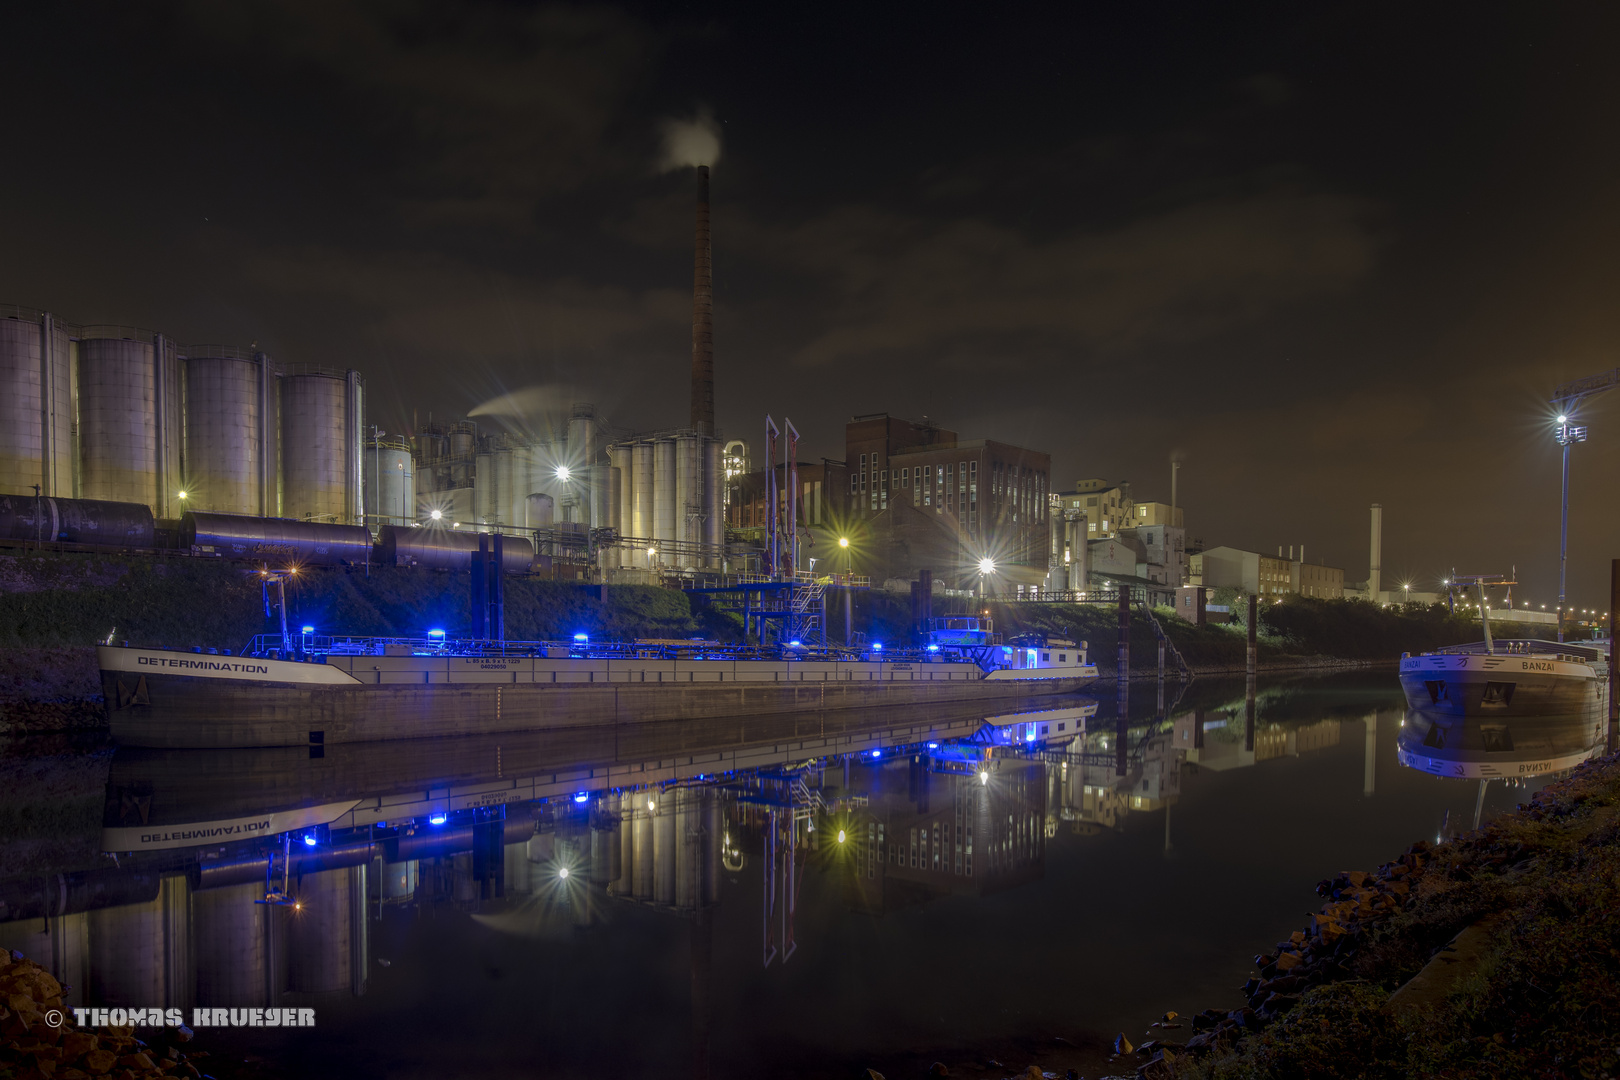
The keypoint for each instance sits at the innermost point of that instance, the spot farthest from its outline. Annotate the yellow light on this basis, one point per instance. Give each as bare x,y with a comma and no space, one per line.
986,565
182,494
840,836
843,541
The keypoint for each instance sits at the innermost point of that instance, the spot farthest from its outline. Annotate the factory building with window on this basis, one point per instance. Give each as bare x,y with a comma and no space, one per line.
985,499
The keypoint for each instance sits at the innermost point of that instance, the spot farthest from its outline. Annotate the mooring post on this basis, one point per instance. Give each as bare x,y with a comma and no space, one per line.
1614,683
1124,632
1254,645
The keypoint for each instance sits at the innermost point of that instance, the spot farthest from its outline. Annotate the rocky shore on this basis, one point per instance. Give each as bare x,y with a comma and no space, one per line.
50,689
1494,954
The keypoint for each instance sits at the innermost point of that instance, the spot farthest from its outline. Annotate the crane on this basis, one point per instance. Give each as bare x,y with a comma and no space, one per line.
1566,399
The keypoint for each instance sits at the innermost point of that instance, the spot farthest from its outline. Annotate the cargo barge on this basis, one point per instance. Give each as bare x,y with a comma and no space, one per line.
335,690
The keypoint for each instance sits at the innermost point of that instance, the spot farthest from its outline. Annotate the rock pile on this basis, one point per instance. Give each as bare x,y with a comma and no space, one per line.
1320,952
33,1048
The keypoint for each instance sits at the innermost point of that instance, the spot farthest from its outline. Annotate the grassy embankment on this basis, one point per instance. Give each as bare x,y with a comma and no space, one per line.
1531,989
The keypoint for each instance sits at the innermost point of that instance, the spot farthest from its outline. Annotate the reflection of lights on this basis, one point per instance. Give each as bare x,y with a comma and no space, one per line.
877,753
651,805
840,836
298,905
582,797
933,746
984,777
437,515
562,871
438,819
309,841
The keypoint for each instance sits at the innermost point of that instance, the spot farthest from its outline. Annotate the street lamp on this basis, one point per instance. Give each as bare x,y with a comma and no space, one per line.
987,566
1567,435
564,473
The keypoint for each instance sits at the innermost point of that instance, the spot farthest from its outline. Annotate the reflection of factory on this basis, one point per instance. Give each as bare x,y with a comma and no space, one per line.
1224,738
925,832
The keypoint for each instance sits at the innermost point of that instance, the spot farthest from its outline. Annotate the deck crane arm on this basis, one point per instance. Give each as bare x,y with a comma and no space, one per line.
1572,393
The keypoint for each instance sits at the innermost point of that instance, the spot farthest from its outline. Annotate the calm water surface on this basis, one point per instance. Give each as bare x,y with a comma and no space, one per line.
987,900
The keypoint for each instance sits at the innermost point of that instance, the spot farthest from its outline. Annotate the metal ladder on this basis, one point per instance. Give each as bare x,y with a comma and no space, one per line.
1169,645
807,592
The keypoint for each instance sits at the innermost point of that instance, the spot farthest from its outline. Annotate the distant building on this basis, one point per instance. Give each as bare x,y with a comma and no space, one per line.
1157,513
921,496
1108,507
1256,574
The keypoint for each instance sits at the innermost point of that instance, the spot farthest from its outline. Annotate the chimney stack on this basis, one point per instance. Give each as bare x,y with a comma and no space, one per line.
702,314
1376,561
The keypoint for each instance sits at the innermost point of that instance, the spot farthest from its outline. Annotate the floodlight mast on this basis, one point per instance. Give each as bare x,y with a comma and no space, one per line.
1566,399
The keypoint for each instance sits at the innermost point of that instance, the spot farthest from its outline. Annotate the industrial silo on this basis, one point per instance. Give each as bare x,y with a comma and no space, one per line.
484,497
688,504
230,940
714,519
541,511
390,478
582,436
230,431
322,413
36,405
664,486
620,457
326,933
129,418
641,525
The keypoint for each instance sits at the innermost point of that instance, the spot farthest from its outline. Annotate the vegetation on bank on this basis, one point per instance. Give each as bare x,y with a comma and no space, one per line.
1542,887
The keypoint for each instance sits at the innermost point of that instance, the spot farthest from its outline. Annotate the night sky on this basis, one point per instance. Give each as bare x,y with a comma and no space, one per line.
1326,255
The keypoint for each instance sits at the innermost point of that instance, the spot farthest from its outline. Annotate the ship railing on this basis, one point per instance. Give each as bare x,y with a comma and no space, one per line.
1522,647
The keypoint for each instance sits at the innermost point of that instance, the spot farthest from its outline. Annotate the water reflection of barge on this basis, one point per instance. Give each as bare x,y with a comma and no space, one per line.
1499,747
355,689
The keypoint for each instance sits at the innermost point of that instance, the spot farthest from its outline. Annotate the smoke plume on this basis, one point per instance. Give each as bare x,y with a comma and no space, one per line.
690,142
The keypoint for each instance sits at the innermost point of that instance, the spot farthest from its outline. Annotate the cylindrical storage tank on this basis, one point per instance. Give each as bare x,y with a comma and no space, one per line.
501,512
463,438
582,437
713,836
230,938
604,489
326,932
540,511
641,524
642,877
228,446
688,508
688,860
399,880
36,405
624,516
129,418
664,488
75,521
484,495
276,539
664,851
140,954
602,842
714,515
624,876
320,447
447,549
390,482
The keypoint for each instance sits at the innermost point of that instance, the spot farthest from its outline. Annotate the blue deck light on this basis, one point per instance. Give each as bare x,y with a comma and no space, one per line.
933,746
309,629
933,648
436,633
582,637
796,644
877,646
438,819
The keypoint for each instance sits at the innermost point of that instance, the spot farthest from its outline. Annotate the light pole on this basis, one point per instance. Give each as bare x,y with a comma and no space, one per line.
1567,434
401,465
849,594
987,566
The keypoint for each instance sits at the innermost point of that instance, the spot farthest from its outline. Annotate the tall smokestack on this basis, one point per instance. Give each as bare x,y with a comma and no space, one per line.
1376,562
702,314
